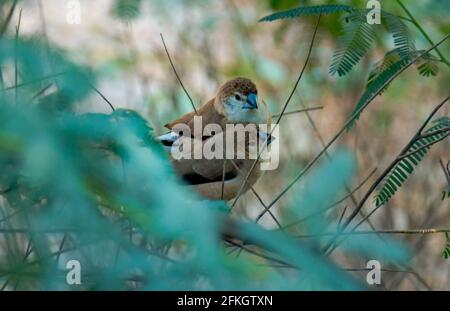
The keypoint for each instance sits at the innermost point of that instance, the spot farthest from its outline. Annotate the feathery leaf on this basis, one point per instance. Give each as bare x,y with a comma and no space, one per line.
427,65
355,41
307,11
403,41
390,58
446,251
400,172
446,193
377,85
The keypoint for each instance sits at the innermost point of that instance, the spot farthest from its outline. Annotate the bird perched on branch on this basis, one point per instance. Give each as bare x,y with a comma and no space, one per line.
235,104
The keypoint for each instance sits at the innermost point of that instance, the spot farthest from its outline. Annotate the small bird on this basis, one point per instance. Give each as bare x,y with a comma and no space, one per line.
236,102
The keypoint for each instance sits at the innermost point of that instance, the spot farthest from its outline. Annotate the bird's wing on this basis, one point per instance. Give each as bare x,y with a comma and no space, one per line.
229,189
201,169
208,113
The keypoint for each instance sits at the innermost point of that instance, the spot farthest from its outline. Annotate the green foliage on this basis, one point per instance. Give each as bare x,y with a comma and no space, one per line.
389,59
446,193
357,35
403,42
405,166
427,65
446,251
376,85
307,11
355,41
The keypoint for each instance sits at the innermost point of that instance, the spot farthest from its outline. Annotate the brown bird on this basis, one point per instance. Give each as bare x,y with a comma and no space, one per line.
221,177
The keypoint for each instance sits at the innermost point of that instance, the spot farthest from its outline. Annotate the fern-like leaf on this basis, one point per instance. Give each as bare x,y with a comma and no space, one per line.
427,65
446,193
389,59
400,172
355,41
307,11
446,251
377,85
403,41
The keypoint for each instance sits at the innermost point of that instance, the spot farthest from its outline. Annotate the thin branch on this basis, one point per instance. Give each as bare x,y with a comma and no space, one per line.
433,133
368,232
102,96
176,74
301,72
445,170
269,258
422,148
342,217
39,93
8,19
382,269
282,111
259,198
33,81
298,111
16,61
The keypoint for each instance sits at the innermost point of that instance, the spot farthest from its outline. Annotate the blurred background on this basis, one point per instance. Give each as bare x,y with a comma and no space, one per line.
212,41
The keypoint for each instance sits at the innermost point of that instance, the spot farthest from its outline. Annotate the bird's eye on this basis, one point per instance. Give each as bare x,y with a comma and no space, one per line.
237,97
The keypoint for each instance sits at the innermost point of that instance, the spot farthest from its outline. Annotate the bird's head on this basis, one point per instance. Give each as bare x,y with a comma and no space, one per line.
237,99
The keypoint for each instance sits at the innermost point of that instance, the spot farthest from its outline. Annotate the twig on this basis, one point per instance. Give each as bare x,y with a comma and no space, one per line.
176,74
341,217
368,232
16,61
39,93
433,133
269,258
259,198
33,81
298,111
422,147
8,19
382,269
282,111
102,96
445,170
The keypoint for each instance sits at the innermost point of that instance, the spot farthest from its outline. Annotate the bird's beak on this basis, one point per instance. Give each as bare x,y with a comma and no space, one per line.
251,102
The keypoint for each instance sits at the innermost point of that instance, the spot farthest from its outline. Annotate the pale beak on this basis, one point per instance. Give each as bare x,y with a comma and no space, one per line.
251,102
